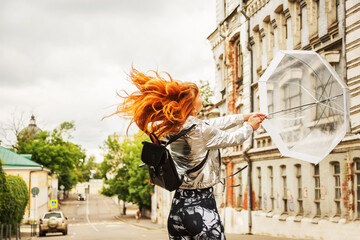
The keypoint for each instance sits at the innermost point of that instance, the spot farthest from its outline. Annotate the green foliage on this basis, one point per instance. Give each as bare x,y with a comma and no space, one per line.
130,183
20,197
14,197
206,93
54,152
88,169
5,197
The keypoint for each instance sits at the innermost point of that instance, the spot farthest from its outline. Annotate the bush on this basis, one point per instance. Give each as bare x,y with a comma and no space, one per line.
5,198
14,197
20,194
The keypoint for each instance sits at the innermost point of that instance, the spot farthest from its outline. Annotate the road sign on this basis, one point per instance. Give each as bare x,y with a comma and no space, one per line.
53,203
35,191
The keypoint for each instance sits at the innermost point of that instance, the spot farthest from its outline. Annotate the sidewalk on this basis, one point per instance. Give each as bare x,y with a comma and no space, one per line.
25,231
147,224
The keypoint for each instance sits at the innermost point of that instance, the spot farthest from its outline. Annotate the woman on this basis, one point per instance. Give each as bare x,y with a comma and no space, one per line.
165,107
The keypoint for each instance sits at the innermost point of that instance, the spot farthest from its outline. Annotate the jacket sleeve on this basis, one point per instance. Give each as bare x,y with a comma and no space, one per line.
226,122
216,138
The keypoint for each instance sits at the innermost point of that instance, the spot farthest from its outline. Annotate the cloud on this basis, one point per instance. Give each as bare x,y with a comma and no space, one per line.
65,59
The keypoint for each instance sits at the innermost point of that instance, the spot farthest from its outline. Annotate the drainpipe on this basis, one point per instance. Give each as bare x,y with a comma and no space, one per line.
42,168
226,103
245,151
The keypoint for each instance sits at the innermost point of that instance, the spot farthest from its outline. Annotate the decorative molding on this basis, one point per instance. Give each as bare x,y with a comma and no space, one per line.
287,13
302,3
273,22
252,42
307,47
325,38
262,32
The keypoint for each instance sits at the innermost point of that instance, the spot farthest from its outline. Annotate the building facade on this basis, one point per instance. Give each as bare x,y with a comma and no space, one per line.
289,197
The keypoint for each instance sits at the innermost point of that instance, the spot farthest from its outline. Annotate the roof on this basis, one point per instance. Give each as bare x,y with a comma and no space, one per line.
11,159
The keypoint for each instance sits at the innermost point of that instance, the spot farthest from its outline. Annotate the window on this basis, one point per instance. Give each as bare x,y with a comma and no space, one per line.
336,174
357,173
270,99
259,190
240,189
337,9
284,197
322,92
240,57
271,175
317,190
299,189
292,93
292,98
318,13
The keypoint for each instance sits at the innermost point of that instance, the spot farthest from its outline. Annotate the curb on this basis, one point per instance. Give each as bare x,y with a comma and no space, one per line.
140,225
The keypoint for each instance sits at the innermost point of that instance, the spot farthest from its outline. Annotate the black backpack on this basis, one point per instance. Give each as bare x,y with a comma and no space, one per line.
162,170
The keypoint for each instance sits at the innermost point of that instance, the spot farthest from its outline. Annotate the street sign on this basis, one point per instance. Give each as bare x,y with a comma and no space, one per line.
35,191
53,203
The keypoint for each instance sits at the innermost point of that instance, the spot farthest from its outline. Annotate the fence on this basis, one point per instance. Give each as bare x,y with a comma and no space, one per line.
6,234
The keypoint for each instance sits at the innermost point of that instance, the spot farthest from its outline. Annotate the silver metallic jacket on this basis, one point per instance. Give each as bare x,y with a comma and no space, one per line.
189,150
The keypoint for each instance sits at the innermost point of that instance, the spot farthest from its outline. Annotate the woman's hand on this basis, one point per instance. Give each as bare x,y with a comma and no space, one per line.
248,115
256,119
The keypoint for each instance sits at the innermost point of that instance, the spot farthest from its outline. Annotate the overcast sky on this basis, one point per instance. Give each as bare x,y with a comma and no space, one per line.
64,60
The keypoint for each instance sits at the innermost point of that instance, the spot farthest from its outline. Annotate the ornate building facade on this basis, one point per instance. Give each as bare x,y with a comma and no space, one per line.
289,197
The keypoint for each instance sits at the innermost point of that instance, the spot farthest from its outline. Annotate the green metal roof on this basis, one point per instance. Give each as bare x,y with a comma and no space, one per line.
11,159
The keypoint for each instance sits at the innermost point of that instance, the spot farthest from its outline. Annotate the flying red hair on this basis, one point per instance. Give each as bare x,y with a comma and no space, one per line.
160,106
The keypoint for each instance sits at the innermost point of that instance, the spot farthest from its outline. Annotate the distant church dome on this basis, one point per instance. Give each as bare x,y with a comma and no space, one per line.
31,129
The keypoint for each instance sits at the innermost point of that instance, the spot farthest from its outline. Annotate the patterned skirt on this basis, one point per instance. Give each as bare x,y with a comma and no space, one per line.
194,215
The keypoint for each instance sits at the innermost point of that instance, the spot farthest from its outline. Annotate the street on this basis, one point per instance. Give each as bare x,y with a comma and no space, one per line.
95,219
99,218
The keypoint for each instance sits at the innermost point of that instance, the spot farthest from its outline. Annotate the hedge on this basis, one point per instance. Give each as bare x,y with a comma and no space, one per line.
14,197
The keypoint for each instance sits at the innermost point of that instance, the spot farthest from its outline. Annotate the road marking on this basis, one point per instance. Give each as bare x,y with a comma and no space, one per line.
87,214
96,223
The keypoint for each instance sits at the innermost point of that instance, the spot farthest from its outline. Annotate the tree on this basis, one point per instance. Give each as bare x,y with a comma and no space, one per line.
14,197
206,94
88,169
56,152
5,197
131,183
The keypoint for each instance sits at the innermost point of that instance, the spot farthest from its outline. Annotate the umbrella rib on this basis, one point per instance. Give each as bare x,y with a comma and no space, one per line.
304,105
339,110
324,87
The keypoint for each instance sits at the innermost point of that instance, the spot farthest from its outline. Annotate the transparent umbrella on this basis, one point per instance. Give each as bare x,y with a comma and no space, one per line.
306,103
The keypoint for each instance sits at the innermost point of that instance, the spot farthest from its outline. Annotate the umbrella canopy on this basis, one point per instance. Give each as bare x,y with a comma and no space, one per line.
306,103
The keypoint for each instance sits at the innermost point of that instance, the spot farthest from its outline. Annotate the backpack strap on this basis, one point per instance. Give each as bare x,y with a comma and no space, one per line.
223,183
180,134
197,167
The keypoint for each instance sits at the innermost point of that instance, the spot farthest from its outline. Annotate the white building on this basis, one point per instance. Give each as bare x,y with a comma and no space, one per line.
290,197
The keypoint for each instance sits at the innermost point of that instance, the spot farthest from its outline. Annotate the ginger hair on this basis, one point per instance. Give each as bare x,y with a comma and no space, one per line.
159,106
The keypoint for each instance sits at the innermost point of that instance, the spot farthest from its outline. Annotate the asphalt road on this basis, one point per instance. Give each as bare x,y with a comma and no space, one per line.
94,219
98,218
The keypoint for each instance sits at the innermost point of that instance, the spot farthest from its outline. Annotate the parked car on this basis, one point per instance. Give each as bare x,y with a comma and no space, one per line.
81,196
53,222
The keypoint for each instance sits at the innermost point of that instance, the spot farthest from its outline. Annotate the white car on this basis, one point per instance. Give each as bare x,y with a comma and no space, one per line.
53,222
81,196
